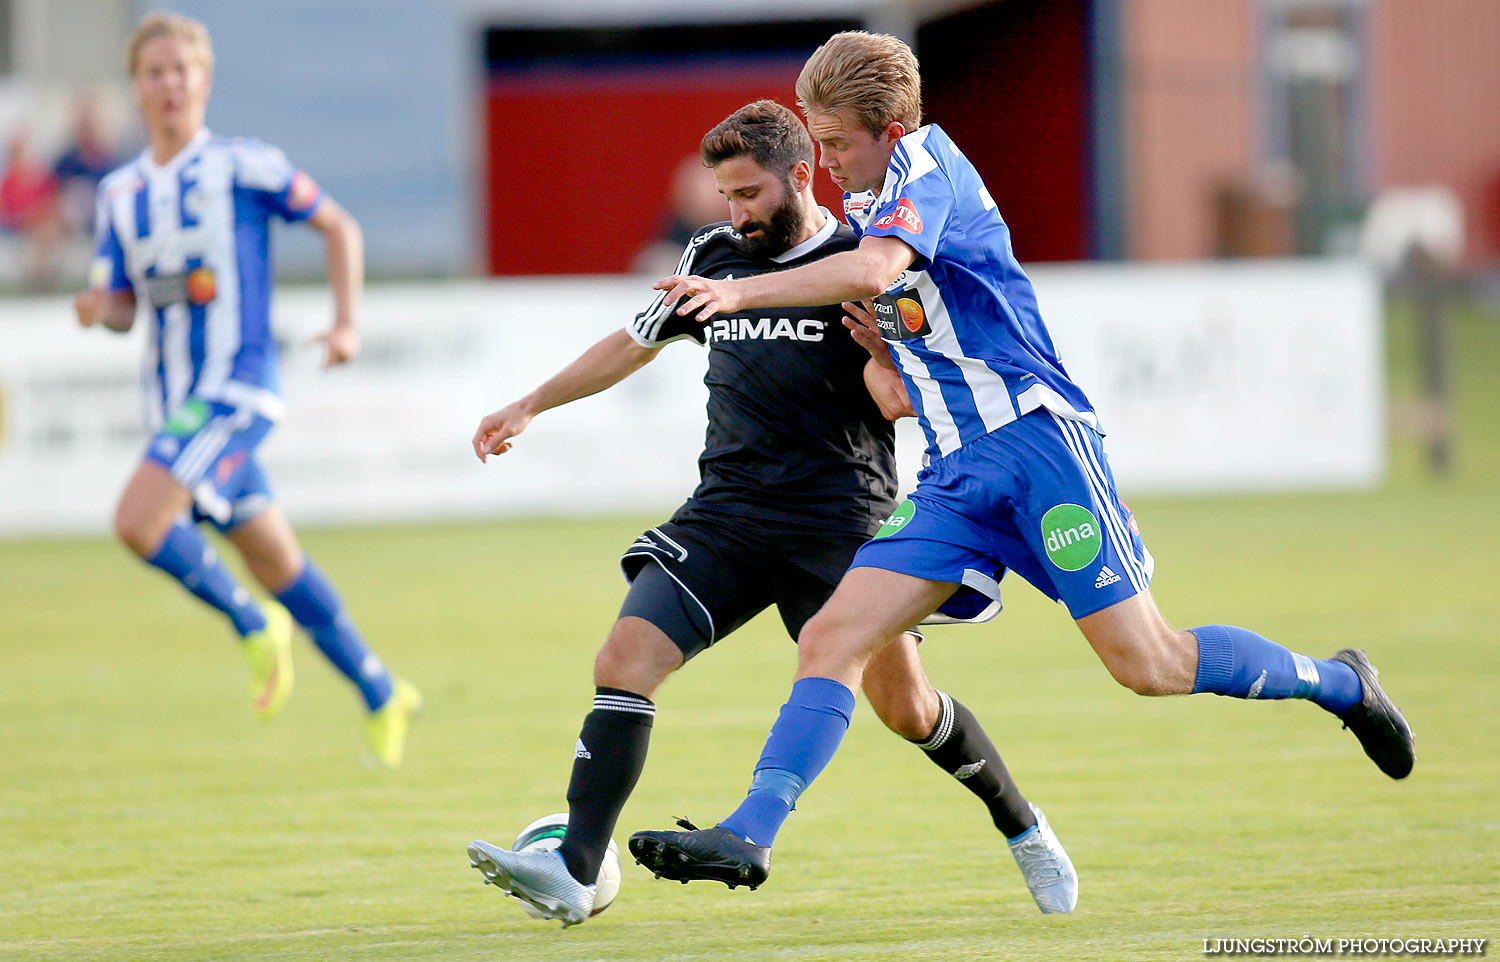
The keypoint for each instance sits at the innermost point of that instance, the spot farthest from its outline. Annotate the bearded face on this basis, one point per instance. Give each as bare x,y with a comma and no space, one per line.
774,231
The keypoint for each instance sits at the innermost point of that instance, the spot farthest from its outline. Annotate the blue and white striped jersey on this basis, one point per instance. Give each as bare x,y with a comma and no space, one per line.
192,238
962,323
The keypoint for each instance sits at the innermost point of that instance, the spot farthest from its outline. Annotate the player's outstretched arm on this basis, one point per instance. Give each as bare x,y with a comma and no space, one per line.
851,276
344,247
114,309
614,358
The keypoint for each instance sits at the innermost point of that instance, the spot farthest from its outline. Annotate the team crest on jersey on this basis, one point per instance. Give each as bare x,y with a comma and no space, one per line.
901,316
856,204
905,216
302,193
194,203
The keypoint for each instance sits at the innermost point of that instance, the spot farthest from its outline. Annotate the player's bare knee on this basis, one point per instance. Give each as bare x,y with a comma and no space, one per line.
275,574
816,648
636,658
135,529
823,634
1141,679
1150,665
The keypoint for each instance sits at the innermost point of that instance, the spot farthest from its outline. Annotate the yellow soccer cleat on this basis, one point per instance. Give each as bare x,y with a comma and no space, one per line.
269,653
386,728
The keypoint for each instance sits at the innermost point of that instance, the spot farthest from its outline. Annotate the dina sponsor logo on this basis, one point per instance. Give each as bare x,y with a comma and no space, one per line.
899,519
187,419
1071,535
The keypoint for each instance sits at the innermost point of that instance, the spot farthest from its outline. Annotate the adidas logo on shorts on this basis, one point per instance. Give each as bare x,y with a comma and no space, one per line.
581,751
1106,578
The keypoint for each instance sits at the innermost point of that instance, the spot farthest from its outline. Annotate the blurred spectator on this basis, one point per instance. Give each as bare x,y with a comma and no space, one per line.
28,206
82,165
695,200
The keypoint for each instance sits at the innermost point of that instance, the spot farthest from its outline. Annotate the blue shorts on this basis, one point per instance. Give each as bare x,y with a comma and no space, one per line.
1036,497
209,448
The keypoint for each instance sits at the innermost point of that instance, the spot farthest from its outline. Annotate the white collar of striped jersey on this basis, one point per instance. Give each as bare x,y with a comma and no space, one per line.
830,224
188,151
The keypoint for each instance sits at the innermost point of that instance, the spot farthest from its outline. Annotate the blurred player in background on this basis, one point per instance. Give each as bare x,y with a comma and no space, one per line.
798,470
1016,475
185,228
692,202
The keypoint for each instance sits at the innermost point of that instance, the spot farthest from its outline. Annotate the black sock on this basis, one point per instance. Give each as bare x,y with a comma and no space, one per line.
607,762
959,746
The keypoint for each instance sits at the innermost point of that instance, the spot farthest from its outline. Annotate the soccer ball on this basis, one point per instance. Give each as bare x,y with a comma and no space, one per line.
546,834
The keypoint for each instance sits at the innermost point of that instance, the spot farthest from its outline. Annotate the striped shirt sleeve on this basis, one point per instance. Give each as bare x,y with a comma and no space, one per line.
285,191
107,270
659,323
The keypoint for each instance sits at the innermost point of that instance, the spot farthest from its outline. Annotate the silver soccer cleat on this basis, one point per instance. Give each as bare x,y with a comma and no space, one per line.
539,879
1048,871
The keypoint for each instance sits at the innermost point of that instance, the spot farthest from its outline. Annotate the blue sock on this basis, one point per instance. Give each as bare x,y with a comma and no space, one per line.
187,556
802,742
315,603
1241,664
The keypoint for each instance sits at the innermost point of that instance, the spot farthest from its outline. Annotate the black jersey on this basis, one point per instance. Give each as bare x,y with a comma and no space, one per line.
793,435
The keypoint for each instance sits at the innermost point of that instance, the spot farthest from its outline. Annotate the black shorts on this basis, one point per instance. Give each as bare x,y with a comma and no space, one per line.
698,580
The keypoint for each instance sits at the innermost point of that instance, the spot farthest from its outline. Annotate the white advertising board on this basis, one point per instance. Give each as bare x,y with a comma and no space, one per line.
1209,377
1227,376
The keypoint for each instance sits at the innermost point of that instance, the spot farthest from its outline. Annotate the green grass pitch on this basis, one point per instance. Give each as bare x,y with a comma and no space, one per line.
146,815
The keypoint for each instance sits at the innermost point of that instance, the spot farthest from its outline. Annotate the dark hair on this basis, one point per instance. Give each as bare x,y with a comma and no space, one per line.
767,131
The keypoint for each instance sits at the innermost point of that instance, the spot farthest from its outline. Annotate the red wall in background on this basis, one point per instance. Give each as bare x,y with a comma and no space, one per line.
1436,91
578,164
1009,82
1191,103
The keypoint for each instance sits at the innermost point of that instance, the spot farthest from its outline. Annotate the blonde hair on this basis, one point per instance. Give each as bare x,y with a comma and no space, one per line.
163,24
872,76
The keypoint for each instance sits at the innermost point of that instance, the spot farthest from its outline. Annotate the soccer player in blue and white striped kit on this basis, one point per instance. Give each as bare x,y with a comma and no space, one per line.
185,227
1016,477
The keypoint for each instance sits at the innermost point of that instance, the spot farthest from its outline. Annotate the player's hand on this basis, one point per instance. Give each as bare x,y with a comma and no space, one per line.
497,428
866,333
889,391
704,296
92,306
341,343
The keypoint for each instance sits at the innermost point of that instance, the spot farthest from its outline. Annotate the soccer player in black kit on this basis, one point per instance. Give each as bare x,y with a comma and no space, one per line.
798,470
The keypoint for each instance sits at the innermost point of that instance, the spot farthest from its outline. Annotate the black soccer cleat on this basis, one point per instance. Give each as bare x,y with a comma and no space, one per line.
1376,721
712,854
